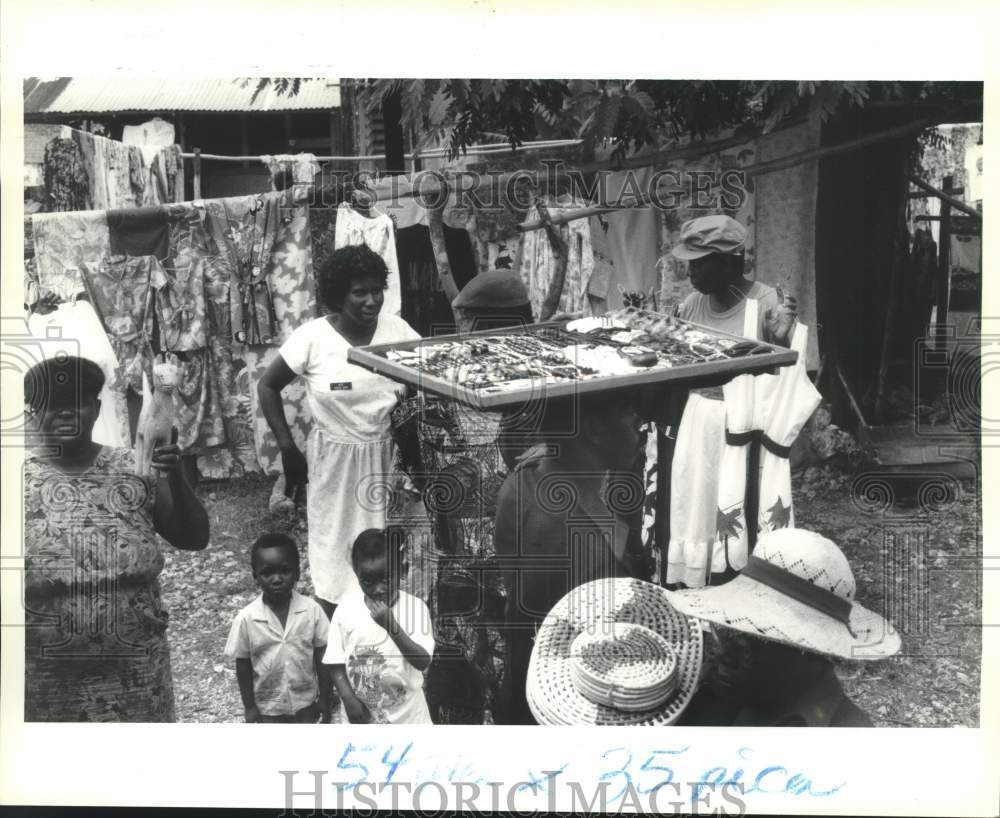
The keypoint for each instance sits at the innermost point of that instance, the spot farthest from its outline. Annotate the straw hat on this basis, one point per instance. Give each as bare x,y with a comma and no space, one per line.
797,589
594,615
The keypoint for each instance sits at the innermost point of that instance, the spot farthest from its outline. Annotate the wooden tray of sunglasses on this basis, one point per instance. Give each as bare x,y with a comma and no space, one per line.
457,367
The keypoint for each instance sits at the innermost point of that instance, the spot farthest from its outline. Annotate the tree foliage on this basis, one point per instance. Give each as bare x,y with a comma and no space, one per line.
623,114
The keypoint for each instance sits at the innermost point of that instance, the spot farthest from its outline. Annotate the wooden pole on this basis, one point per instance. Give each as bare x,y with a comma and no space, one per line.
958,204
944,269
561,250
435,223
245,138
197,173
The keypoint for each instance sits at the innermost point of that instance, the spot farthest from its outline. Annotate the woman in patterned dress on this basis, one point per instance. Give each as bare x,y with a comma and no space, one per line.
95,637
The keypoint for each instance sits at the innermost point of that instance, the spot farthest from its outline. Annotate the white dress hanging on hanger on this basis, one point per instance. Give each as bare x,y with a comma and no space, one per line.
377,232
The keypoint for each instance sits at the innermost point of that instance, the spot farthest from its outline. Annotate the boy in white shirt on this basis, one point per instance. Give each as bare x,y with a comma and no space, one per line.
381,639
278,642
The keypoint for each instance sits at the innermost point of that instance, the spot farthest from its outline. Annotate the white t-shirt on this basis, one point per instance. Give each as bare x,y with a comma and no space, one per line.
392,688
697,307
345,399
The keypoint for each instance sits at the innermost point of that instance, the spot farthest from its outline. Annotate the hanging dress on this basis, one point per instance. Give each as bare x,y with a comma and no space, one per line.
378,233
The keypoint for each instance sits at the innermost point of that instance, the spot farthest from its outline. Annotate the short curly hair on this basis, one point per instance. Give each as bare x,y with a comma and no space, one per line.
343,268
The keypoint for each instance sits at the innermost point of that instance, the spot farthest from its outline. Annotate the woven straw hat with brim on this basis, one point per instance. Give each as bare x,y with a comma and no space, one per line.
608,611
797,589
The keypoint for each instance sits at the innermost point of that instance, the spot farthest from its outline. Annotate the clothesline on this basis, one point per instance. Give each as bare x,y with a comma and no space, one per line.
760,169
433,153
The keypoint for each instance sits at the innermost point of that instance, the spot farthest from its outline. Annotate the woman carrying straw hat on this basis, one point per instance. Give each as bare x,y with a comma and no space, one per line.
780,624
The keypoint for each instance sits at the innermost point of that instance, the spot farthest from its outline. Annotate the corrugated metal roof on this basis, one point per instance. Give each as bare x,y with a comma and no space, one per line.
77,95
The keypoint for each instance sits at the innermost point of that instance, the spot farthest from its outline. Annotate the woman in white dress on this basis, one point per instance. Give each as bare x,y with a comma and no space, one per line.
349,454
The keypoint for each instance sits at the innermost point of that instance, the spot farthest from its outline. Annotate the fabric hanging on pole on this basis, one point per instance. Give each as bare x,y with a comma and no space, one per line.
65,176
293,401
632,240
141,231
792,403
237,455
300,169
156,132
322,240
538,262
785,224
377,232
289,272
63,243
180,299
244,229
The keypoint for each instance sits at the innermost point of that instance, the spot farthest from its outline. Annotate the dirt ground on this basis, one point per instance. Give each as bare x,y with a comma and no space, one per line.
916,562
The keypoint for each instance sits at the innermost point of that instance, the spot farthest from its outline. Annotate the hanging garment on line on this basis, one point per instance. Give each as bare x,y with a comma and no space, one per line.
180,299
323,236
66,177
289,272
237,455
604,269
141,231
538,262
109,167
632,239
293,400
121,287
244,229
197,403
75,327
702,478
302,168
64,242
155,132
377,232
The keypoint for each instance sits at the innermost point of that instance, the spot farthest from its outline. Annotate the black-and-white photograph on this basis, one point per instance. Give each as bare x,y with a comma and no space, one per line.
557,402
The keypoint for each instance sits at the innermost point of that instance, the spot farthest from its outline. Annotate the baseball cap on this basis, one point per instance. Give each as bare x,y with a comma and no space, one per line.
710,234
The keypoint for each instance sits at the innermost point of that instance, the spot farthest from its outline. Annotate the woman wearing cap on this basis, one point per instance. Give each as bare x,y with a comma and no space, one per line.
725,300
95,645
350,449
779,624
713,248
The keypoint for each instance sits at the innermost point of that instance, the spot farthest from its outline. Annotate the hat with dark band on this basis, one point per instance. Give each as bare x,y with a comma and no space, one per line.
797,588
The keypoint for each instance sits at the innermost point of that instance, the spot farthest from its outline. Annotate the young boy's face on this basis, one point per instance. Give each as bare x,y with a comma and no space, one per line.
376,580
275,573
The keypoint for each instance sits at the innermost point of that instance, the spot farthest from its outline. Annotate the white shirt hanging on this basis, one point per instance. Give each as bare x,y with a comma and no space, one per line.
377,232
